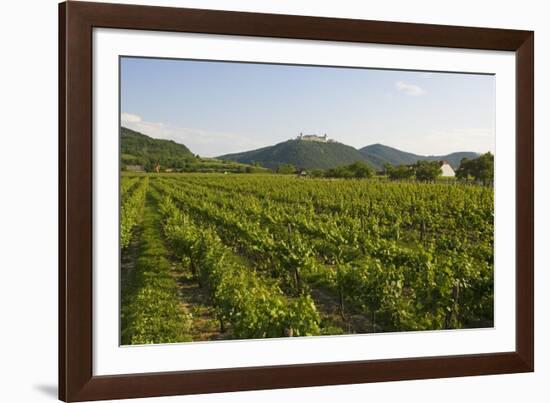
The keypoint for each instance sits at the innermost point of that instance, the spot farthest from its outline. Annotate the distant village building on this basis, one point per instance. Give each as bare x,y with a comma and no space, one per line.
313,137
446,169
135,168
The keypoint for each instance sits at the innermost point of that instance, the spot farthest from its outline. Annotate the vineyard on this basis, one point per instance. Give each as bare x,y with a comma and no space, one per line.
213,256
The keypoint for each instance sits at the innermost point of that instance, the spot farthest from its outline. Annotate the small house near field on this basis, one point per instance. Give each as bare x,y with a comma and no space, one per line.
446,169
135,168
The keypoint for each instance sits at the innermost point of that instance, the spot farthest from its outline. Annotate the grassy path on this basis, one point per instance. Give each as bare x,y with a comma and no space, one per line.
150,309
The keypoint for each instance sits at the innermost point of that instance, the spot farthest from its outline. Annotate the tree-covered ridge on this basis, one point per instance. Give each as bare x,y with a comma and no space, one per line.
146,153
141,152
321,155
301,154
138,149
379,155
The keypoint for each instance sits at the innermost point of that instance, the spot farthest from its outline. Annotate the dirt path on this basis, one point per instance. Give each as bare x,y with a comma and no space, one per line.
329,308
195,300
128,258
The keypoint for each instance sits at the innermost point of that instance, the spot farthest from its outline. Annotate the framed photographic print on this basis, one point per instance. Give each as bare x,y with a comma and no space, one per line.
253,201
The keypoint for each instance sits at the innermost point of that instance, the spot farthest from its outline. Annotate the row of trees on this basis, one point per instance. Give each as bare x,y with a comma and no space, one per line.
479,169
421,170
356,170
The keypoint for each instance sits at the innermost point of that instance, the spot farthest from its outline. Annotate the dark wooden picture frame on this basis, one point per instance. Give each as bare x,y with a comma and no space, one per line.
76,23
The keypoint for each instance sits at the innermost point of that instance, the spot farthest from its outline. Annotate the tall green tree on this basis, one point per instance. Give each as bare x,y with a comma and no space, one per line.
427,170
481,169
356,170
361,170
399,172
286,169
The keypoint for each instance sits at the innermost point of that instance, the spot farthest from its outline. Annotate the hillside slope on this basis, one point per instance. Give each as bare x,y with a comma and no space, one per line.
146,152
454,158
378,155
300,153
138,149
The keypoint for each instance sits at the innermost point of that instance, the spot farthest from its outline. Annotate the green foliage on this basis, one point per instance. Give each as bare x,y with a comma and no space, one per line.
379,155
286,169
316,155
361,170
302,154
339,172
481,169
316,173
139,149
401,172
357,170
411,256
132,198
427,170
251,305
212,165
126,184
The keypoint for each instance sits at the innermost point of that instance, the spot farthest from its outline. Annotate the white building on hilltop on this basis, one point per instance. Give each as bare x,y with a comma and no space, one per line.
313,137
446,169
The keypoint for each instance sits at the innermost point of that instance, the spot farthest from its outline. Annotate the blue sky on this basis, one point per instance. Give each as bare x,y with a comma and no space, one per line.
216,108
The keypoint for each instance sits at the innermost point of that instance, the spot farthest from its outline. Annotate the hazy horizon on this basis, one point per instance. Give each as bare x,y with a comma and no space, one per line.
217,108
